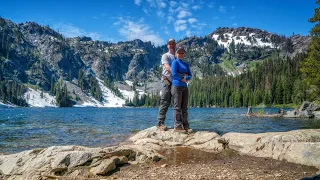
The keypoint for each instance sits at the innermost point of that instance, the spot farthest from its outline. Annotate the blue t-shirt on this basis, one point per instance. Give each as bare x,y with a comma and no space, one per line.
178,68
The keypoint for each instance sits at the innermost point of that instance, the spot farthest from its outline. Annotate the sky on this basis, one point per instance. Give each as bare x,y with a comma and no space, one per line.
159,20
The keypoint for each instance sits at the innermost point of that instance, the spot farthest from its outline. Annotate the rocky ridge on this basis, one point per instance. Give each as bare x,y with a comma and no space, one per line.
256,37
33,54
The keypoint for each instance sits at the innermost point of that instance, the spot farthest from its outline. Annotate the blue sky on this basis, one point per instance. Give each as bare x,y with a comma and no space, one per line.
158,20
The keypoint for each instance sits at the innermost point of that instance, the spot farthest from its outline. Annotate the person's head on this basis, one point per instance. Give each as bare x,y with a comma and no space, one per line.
171,44
180,52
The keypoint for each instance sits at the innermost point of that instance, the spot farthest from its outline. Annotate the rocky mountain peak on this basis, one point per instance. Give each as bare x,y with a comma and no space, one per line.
242,31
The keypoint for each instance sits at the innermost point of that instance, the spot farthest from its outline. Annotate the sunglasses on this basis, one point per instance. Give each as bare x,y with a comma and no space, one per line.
172,44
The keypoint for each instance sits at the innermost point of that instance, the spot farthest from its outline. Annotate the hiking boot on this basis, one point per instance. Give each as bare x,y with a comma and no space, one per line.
189,130
180,129
162,127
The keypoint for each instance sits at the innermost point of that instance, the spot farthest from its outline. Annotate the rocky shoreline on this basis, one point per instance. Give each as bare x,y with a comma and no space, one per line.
298,146
306,110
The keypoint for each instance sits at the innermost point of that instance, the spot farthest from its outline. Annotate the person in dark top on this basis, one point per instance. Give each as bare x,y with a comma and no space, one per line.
181,74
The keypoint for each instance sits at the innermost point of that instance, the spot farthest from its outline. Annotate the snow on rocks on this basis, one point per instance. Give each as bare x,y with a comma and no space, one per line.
36,98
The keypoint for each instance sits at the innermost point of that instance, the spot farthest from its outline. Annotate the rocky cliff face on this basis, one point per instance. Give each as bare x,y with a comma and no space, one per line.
31,46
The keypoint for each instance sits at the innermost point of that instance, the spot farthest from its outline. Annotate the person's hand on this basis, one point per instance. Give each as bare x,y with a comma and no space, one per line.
184,79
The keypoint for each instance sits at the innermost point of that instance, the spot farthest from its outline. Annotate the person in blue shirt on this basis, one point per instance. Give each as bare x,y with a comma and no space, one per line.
181,74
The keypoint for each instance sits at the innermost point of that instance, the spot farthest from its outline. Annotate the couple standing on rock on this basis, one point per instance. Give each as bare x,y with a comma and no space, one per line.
175,75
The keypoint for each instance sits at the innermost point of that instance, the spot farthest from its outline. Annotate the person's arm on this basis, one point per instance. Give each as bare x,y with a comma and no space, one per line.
189,76
175,73
167,67
165,63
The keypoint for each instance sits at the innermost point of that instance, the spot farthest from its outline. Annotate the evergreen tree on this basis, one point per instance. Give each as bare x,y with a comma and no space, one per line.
70,75
81,79
232,48
310,67
52,88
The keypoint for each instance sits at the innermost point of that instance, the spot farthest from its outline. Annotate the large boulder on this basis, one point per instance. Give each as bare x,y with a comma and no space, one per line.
71,161
156,139
298,146
306,110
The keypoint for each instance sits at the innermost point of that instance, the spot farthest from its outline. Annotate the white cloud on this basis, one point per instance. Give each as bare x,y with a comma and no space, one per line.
155,3
192,20
152,3
137,2
131,30
177,13
166,30
222,9
216,17
161,4
69,30
211,5
179,28
188,33
235,24
179,22
196,29
161,14
201,25
170,19
185,5
94,35
196,7
172,3
145,10
183,13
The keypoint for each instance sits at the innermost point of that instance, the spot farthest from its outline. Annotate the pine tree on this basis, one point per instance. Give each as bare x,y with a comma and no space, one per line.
232,48
52,89
8,47
81,79
310,67
70,75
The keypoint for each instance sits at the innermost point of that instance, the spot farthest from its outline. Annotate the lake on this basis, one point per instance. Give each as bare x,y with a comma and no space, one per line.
29,128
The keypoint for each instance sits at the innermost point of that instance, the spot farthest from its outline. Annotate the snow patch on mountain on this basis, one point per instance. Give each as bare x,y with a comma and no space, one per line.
109,99
3,105
228,37
34,99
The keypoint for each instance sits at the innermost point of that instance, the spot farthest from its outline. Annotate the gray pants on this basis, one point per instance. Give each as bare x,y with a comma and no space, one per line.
180,105
165,102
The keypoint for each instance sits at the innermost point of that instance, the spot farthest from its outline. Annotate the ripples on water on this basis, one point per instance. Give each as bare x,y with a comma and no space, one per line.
29,128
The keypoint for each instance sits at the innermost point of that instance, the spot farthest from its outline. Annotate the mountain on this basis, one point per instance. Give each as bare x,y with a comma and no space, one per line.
36,61
256,37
